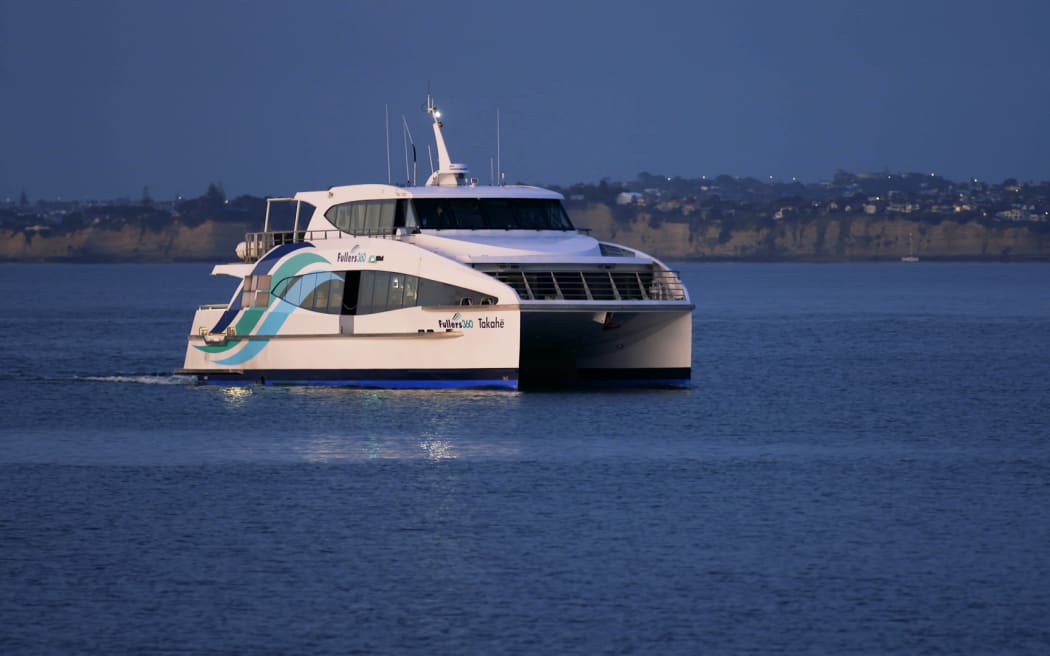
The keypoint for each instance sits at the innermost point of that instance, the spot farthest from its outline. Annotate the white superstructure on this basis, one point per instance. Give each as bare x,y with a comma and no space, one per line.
450,284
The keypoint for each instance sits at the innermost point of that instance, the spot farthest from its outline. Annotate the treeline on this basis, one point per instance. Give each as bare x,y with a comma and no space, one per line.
57,217
750,203
732,202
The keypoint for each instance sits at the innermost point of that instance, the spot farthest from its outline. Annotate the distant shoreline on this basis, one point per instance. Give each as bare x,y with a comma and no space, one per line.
827,238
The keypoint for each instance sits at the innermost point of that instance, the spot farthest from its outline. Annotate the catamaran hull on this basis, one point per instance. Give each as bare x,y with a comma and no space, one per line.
585,347
530,349
480,350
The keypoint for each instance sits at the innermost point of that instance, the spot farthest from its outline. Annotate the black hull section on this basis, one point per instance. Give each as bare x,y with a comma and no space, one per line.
555,377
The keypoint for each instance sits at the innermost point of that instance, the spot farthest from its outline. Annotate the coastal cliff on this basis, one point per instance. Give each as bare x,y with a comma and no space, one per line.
857,237
176,241
826,238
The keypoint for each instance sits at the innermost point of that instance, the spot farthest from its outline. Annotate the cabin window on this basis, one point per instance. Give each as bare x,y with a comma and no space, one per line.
255,292
395,296
367,217
371,292
491,214
432,292
326,296
380,283
411,290
321,291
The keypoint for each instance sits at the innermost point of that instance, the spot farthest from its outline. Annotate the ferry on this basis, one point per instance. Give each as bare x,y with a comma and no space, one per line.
450,284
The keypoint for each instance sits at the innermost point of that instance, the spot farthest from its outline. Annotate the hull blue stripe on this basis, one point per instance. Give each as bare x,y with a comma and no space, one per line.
447,378
391,379
380,384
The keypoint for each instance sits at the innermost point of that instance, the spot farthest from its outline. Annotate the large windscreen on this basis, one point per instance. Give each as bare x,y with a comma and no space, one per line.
491,213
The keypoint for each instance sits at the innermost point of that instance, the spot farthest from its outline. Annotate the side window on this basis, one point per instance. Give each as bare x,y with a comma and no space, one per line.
370,292
395,297
411,291
432,292
367,217
321,291
380,283
326,294
491,213
255,292
364,294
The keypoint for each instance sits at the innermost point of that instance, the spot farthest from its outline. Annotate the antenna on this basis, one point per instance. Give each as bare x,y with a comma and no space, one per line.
492,174
406,131
386,118
404,143
499,166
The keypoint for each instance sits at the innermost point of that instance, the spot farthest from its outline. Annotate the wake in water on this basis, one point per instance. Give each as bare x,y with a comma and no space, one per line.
141,379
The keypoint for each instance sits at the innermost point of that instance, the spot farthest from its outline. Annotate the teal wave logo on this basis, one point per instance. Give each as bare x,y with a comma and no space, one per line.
262,321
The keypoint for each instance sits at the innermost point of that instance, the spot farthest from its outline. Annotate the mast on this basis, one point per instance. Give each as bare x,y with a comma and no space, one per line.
448,173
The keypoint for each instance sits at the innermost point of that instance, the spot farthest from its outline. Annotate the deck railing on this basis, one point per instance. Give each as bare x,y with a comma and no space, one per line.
257,244
596,285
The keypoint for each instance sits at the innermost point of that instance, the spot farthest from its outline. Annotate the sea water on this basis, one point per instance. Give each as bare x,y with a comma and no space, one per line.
861,466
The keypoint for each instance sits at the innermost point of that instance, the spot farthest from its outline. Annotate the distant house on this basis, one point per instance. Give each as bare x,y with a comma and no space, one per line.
1021,214
629,198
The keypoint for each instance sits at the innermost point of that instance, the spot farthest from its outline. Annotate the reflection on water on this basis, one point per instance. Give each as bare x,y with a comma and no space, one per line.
236,396
402,424
356,448
437,449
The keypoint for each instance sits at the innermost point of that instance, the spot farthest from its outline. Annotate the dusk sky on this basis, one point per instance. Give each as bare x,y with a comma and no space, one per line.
101,99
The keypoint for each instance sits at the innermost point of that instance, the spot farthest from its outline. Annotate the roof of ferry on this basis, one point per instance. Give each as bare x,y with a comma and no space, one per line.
343,194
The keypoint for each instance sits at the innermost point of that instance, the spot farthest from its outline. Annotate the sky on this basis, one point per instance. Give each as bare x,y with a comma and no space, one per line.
103,99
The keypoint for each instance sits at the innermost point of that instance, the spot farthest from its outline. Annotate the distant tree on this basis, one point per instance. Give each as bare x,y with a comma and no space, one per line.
214,200
607,191
215,193
843,178
647,180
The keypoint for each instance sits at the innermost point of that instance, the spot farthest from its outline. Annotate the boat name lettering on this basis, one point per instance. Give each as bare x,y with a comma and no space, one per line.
459,323
346,257
455,322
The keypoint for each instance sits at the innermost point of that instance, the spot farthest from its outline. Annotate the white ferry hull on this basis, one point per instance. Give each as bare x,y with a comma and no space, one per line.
433,360
528,349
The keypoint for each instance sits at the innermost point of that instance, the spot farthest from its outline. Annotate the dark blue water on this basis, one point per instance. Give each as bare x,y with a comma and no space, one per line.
862,467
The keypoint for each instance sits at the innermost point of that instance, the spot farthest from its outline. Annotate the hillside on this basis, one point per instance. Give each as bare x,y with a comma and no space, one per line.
819,239
173,242
852,217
